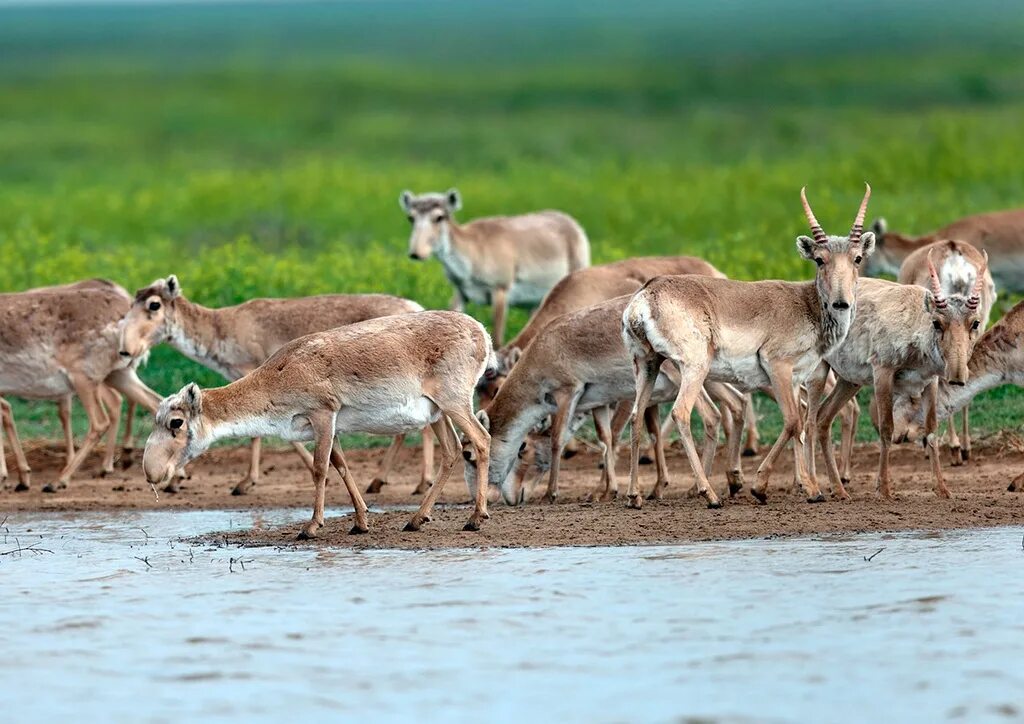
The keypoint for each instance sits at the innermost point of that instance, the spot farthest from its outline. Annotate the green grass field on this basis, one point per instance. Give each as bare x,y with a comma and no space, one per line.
260,150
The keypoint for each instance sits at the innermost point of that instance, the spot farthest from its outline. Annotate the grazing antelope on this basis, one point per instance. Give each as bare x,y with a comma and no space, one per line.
576,364
997,359
236,340
595,284
958,264
499,260
749,334
110,398
904,339
1000,233
55,343
384,376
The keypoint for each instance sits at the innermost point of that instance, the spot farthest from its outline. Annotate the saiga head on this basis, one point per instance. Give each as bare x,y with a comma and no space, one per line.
176,437
150,318
838,258
430,216
956,323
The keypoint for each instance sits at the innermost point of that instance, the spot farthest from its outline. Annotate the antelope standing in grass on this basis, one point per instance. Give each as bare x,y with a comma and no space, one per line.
1000,233
577,364
595,284
499,260
903,340
233,341
749,334
997,359
384,376
958,265
62,342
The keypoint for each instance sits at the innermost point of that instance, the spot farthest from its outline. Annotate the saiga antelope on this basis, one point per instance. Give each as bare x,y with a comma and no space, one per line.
384,376
110,398
586,287
53,344
578,364
498,260
903,340
997,359
233,341
958,266
749,334
1000,233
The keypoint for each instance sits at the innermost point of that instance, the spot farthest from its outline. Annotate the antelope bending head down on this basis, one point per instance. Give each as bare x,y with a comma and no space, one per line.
838,259
151,318
179,434
430,215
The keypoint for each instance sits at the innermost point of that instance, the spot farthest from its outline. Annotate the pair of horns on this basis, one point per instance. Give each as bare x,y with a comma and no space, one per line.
972,301
858,223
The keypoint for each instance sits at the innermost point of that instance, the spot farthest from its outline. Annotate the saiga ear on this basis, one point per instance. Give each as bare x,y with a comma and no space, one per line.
867,244
405,201
453,199
173,287
192,397
879,227
806,246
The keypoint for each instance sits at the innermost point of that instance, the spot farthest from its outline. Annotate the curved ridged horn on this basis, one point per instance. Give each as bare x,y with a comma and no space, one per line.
975,298
819,233
940,301
858,223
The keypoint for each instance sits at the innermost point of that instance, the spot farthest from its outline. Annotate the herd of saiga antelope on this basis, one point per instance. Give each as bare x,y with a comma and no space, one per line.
613,340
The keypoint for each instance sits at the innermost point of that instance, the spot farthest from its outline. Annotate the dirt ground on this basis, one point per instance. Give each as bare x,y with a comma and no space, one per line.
980,498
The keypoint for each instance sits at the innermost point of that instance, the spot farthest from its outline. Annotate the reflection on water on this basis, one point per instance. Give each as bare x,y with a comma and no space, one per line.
122,622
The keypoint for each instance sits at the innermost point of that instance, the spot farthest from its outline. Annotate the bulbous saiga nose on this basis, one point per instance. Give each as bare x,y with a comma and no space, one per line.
125,353
840,305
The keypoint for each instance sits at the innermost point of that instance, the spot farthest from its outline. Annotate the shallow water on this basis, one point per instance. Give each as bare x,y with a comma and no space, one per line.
121,621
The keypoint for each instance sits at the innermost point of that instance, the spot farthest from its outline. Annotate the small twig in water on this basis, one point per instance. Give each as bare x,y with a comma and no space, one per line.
869,558
145,534
239,561
144,560
34,548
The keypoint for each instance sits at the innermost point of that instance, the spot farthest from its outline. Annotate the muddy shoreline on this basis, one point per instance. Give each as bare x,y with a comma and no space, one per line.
980,499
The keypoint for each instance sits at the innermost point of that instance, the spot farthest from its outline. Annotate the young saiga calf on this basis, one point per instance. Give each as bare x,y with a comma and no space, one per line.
385,376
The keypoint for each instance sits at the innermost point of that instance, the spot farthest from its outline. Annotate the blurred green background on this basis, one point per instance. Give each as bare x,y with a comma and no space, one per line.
259,149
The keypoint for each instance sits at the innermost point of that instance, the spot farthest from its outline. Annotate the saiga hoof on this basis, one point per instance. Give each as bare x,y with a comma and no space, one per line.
242,488
956,457
749,452
21,487
761,496
549,498
646,460
375,485
54,487
714,504
570,453
965,453
127,458
173,487
358,530
416,523
819,498
309,531
943,493
104,472
636,502
422,488
472,525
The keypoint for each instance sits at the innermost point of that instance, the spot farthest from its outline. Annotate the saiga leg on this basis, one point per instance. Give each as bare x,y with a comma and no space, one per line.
111,400
499,299
322,423
88,393
883,379
24,471
64,414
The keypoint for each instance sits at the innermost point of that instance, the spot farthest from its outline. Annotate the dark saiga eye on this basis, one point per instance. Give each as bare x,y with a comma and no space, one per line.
975,325
154,306
937,324
439,218
819,261
176,423
412,219
858,259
